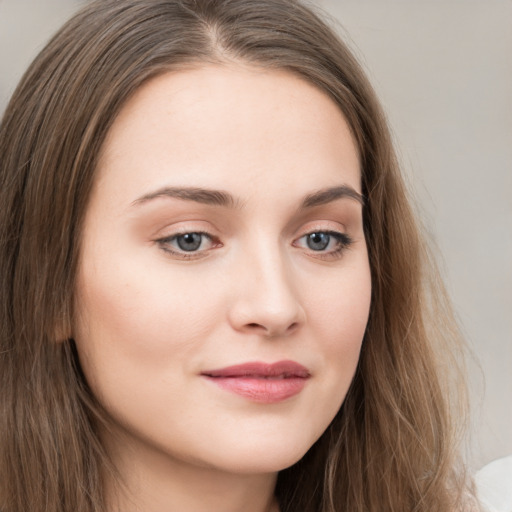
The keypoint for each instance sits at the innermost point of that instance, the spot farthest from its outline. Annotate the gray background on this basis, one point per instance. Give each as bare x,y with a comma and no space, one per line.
443,70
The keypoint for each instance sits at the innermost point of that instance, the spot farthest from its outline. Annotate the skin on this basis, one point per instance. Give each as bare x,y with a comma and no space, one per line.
151,317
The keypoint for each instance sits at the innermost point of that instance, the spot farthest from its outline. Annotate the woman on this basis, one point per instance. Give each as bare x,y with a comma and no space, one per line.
216,294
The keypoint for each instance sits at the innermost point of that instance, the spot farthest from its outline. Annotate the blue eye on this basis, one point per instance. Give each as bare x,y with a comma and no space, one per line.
318,241
328,243
189,242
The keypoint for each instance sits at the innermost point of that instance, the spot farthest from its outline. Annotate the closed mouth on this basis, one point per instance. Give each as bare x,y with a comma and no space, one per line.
261,382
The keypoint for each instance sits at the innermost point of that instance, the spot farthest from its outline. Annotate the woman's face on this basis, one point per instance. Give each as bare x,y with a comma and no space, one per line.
224,235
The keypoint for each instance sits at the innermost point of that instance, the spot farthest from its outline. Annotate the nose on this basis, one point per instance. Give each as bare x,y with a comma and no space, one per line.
265,298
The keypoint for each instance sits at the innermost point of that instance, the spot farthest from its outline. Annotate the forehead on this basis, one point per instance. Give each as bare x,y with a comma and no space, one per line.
229,125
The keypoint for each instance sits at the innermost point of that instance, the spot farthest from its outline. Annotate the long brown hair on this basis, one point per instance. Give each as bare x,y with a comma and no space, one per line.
392,445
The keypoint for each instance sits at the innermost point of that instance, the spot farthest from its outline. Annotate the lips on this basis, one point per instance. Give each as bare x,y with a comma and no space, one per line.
261,382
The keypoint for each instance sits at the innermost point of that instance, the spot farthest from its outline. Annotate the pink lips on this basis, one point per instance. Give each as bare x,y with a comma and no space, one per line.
261,382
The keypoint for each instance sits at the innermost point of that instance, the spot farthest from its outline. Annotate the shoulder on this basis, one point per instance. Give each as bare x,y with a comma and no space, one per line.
494,485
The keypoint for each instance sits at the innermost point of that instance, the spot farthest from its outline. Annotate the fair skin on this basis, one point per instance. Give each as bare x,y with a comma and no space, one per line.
174,284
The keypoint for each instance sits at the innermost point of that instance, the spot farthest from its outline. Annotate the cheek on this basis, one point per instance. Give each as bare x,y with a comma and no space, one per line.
340,307
133,329
338,315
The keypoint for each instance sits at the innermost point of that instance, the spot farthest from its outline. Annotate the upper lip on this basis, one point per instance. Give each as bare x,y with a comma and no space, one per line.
282,369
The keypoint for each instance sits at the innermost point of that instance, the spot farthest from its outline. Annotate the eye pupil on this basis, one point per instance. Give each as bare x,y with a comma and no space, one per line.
318,241
189,242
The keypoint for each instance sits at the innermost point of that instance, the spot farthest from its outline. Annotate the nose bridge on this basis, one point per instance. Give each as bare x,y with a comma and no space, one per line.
267,298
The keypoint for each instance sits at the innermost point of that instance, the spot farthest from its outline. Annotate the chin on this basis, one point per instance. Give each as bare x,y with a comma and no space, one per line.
263,457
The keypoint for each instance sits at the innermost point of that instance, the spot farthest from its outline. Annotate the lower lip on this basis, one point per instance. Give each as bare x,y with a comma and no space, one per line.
261,390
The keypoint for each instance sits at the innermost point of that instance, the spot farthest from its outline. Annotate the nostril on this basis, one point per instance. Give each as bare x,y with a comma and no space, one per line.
293,326
254,326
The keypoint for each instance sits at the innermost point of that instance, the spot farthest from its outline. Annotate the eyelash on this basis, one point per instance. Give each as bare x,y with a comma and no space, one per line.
164,243
343,242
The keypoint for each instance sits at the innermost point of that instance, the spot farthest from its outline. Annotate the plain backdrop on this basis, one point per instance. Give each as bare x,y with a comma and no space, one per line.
443,70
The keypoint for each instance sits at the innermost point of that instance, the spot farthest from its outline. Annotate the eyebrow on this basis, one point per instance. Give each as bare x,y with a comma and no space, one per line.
327,195
225,199
196,194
